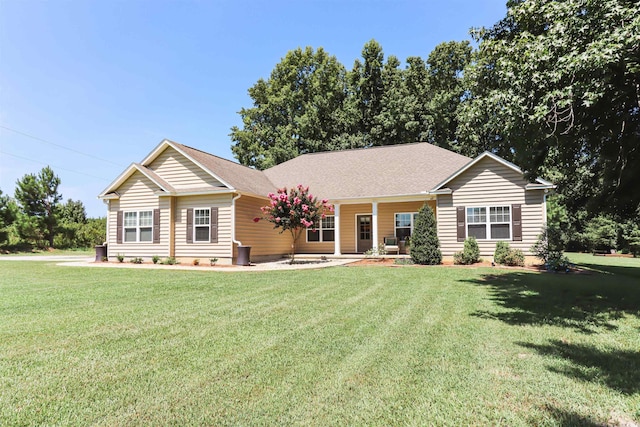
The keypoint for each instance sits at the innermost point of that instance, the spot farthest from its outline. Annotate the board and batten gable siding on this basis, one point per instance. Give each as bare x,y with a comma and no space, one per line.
181,172
203,250
489,183
137,193
261,236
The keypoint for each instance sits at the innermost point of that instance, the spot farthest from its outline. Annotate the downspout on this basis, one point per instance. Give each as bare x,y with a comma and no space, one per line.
233,223
106,236
544,217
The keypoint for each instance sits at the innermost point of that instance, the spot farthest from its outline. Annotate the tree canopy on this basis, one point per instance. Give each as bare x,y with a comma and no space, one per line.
554,86
36,217
311,103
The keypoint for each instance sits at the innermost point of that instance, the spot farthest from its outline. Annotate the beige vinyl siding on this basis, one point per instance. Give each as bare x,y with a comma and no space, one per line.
261,236
489,183
137,194
203,250
181,172
387,215
305,247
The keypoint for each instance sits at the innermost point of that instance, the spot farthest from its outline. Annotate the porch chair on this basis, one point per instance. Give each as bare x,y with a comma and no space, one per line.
391,244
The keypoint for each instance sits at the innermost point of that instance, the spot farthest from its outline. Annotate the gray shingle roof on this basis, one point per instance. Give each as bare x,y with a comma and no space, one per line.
391,170
241,178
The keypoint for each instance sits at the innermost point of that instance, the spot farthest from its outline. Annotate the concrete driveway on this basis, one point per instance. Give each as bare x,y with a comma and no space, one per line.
52,258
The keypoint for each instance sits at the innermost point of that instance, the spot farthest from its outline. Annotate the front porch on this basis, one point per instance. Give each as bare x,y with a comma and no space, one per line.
356,227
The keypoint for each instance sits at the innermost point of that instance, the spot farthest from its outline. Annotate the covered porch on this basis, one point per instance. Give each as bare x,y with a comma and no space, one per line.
359,225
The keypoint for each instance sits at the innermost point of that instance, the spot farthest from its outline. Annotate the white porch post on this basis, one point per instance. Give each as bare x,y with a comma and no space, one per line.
374,224
336,230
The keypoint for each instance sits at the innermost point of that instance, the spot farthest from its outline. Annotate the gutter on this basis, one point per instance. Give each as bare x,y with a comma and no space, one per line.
233,223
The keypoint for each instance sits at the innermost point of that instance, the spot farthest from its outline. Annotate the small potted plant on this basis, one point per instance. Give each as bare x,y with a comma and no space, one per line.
213,261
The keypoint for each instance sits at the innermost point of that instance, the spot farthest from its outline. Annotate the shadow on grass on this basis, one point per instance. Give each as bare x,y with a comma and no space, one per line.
620,271
617,369
567,418
583,302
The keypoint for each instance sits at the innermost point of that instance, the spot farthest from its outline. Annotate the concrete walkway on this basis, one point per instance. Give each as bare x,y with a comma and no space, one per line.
52,258
262,266
84,261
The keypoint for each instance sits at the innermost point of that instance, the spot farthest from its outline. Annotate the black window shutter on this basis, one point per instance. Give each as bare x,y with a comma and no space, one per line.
461,223
213,218
156,226
516,224
119,227
190,225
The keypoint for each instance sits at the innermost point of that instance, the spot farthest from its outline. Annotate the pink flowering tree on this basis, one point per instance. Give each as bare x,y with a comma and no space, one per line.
294,210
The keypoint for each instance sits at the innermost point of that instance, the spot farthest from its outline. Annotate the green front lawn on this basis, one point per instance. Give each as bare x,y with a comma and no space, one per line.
338,346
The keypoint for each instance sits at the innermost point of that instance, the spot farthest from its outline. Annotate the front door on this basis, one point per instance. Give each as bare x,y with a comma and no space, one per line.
363,224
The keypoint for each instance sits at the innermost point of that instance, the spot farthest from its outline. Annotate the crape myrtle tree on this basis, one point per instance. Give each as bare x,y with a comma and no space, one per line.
294,210
425,246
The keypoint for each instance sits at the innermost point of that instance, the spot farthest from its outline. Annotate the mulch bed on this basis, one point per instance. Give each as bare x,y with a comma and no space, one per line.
390,262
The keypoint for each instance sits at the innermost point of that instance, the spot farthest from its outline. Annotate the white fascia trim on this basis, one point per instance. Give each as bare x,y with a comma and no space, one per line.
442,191
476,160
110,196
384,199
133,167
196,193
167,143
539,187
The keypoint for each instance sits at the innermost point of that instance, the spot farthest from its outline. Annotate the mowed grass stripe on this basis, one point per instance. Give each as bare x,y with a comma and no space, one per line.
340,346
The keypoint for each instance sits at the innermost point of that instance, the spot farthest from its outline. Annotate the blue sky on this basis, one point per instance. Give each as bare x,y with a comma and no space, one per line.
108,80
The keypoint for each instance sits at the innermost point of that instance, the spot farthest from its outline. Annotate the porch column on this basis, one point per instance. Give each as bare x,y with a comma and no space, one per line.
374,224
336,231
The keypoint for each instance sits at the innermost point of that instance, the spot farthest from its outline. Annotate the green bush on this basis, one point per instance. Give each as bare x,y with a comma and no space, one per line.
155,259
425,246
601,233
515,257
470,252
549,248
136,260
506,256
502,250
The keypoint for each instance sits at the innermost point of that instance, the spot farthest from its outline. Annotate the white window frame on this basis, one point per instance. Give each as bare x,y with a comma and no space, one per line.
322,228
138,227
412,215
488,223
196,225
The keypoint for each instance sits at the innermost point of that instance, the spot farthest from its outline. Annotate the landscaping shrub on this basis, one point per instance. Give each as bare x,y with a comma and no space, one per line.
515,257
376,251
425,246
170,261
470,252
506,256
549,248
502,250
